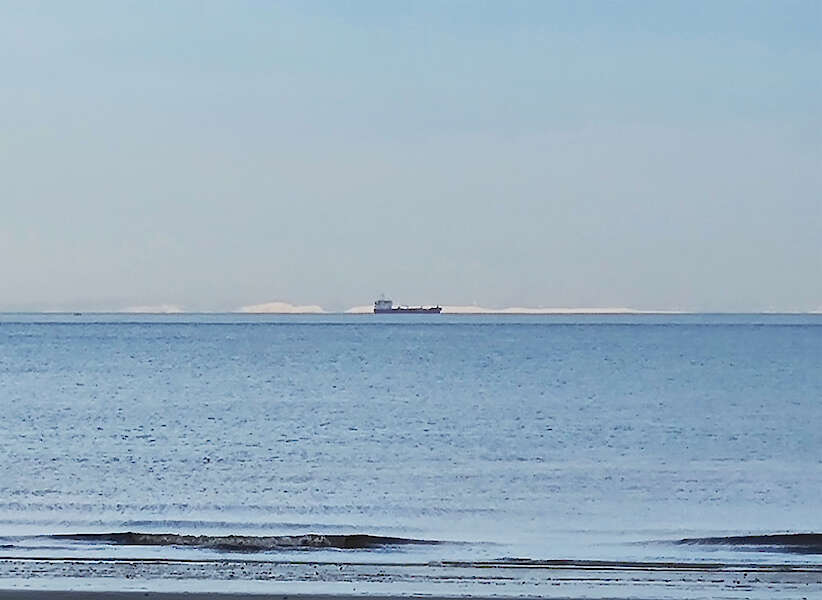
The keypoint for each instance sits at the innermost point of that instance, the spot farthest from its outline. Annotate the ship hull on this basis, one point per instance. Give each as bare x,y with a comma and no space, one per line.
414,310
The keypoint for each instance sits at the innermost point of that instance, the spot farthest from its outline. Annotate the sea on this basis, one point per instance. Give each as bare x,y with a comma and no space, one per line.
307,442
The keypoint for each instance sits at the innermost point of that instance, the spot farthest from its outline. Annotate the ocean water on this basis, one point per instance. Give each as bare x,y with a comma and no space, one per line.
540,438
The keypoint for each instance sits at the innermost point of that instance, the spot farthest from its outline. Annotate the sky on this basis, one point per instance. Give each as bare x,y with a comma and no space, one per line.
214,155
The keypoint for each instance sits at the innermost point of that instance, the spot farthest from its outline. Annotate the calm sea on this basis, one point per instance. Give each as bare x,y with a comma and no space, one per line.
538,437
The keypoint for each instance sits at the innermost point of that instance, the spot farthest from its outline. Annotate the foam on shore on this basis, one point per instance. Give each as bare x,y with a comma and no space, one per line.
795,543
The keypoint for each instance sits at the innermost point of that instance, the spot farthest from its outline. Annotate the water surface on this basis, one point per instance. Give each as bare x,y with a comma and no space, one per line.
528,437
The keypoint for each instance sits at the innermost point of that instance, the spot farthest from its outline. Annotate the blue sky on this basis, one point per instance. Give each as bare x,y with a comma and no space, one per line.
655,155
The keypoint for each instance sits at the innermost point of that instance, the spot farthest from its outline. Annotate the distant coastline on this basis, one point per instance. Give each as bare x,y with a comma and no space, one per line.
287,308
446,310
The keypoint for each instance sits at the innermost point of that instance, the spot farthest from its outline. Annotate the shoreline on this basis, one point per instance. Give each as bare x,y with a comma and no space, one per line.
537,564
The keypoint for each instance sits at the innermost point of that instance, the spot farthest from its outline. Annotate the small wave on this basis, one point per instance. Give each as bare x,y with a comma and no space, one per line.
246,543
794,543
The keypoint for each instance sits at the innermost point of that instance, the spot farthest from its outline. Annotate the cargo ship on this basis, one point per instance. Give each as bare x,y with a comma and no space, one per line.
386,307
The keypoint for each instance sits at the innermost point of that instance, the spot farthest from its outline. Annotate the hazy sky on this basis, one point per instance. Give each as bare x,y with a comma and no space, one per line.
655,155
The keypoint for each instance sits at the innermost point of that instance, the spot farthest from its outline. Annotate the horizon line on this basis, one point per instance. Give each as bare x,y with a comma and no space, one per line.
491,312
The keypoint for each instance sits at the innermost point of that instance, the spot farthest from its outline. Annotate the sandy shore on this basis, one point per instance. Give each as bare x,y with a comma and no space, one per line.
573,583
715,588
118,579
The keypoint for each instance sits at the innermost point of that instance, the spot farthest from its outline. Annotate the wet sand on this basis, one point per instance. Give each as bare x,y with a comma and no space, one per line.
41,579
